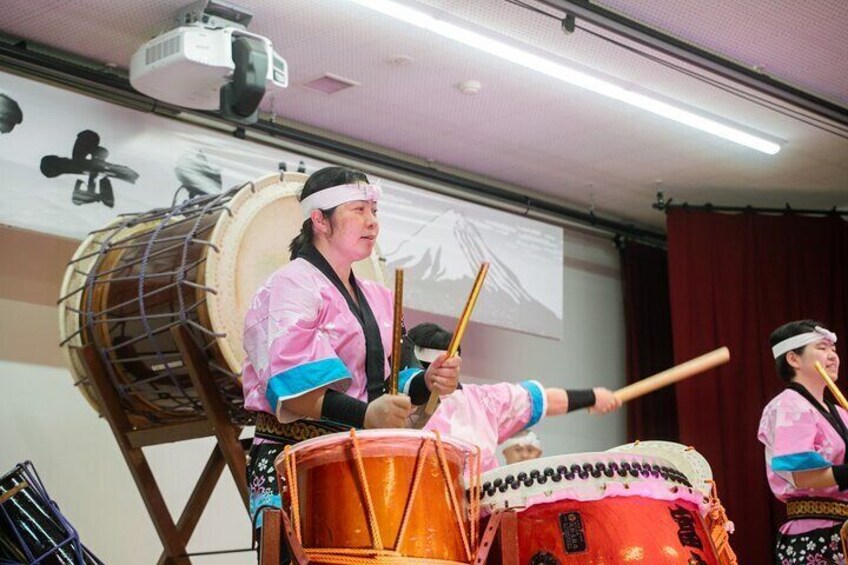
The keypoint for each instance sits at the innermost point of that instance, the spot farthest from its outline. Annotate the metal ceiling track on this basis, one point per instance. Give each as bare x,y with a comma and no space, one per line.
60,68
665,205
634,31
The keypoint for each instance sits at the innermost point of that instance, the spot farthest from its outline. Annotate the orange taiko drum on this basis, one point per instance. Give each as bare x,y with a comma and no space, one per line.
197,264
602,508
382,495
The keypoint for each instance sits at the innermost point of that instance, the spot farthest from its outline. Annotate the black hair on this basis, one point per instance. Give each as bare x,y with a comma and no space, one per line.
784,370
327,177
431,336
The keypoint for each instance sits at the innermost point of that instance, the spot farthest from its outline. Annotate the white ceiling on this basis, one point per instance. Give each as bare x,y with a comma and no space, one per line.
536,133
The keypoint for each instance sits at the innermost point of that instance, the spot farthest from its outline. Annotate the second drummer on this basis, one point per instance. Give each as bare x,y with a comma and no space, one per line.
487,415
805,437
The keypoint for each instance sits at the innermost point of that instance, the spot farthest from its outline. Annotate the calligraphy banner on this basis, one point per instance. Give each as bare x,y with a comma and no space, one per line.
69,164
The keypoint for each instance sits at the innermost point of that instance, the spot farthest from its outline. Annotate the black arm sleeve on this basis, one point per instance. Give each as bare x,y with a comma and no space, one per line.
577,399
840,473
344,409
418,392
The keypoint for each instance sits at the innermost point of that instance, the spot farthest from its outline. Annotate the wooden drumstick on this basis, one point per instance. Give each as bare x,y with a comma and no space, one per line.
832,386
397,332
432,403
675,374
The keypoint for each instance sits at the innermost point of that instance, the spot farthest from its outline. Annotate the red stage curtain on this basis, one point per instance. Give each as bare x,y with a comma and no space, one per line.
647,312
734,279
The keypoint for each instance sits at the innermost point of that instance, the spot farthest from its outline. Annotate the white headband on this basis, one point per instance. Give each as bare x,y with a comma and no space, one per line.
528,439
801,340
335,195
427,355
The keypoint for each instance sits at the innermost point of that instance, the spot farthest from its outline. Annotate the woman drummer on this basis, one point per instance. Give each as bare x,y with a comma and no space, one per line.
805,439
317,337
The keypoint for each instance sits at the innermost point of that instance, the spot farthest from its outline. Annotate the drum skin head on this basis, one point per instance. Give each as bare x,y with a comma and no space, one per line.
686,459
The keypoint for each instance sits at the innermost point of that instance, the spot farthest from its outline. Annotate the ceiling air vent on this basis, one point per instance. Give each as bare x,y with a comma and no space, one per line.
330,84
164,48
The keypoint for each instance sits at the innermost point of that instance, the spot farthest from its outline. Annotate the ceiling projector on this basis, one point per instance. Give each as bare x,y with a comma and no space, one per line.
206,67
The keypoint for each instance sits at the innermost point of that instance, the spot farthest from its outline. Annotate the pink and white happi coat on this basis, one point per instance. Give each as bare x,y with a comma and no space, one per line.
300,335
797,437
487,415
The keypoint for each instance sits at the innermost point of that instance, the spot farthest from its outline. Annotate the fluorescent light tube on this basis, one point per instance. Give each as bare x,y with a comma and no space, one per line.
565,74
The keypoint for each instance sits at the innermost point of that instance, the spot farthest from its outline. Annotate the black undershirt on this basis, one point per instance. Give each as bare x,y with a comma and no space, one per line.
375,355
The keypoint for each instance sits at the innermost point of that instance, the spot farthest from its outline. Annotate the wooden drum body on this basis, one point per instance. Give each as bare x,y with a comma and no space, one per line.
600,508
196,264
343,480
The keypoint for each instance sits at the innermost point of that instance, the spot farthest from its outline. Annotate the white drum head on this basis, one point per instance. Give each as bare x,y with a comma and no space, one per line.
686,459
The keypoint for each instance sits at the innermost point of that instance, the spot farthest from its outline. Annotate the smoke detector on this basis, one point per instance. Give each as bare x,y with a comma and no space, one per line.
470,87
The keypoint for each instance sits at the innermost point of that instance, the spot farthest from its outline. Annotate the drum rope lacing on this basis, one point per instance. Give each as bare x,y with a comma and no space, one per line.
131,234
474,490
720,527
372,518
378,554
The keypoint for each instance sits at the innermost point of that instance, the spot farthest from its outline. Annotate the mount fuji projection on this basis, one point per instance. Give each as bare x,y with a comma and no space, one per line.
440,262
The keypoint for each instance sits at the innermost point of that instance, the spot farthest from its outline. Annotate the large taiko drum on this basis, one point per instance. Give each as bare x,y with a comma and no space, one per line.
408,484
594,508
198,264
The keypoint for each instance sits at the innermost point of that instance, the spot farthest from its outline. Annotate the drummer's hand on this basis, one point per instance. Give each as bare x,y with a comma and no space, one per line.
442,375
605,401
388,411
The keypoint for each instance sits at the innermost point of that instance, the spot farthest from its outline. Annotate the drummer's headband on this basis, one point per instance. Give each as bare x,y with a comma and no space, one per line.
528,439
336,195
800,340
426,354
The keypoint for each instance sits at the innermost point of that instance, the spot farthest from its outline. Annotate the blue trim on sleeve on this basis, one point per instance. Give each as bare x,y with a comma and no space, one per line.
537,397
304,378
405,377
805,461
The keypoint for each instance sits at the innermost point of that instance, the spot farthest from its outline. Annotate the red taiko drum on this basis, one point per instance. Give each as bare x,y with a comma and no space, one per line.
602,508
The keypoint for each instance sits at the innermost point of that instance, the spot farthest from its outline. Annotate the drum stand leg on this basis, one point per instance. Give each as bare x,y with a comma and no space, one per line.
843,536
488,537
508,537
226,433
228,449
174,545
275,527
269,548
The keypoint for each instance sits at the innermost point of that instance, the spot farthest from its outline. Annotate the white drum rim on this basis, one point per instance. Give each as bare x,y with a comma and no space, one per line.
92,242
340,437
686,459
